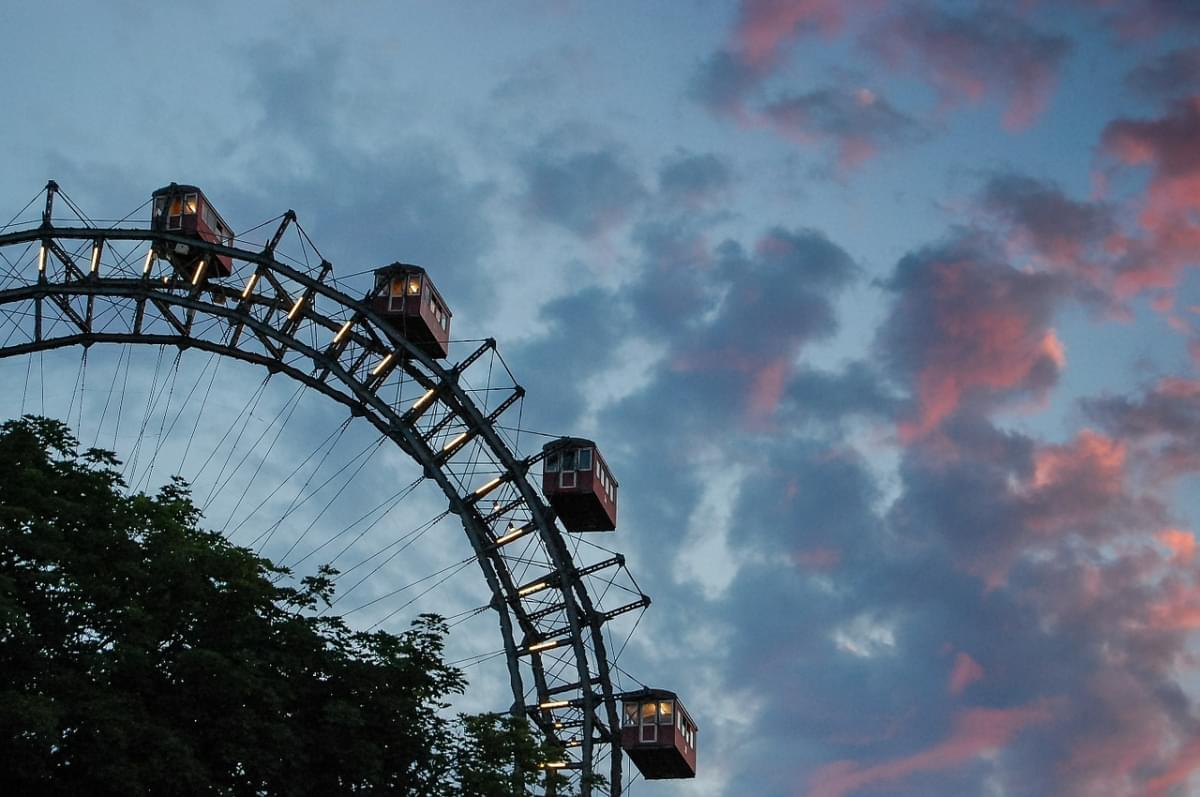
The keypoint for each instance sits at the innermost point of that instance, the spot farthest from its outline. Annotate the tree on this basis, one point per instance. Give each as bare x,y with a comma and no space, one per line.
140,654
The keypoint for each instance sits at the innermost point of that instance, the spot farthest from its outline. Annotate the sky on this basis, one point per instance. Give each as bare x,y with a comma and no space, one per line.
884,314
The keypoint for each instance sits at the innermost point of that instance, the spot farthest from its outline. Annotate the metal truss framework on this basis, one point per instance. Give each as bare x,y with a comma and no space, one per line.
78,286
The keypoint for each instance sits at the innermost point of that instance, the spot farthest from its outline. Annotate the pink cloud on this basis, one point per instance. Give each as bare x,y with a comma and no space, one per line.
767,385
1183,764
968,57
1074,482
1163,426
1177,609
966,672
1129,737
731,81
1076,489
776,302
977,732
857,123
970,329
1170,211
1076,238
765,28
1139,19
818,559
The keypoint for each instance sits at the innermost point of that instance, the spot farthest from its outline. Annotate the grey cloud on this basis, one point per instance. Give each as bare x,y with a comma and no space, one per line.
1057,225
1171,76
724,82
692,180
859,122
585,191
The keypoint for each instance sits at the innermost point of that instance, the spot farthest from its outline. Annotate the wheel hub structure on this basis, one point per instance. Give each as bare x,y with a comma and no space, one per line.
78,284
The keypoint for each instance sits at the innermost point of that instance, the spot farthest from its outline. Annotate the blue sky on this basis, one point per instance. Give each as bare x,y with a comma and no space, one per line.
884,314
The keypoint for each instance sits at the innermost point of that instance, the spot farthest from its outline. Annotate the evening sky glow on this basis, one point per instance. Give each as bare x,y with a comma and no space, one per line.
886,316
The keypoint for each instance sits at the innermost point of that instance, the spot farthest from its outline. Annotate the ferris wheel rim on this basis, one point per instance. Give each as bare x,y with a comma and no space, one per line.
584,621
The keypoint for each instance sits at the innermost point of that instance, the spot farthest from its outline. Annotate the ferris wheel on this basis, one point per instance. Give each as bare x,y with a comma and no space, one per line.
564,604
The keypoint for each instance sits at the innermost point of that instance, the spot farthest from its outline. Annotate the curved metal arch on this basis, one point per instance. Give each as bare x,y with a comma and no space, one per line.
364,351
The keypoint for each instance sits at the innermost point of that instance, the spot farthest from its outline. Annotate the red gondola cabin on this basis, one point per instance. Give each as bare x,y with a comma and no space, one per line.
405,296
658,734
577,482
184,210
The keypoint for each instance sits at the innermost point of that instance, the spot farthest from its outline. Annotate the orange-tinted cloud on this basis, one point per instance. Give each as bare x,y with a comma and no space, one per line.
1183,765
1074,482
1177,609
1181,543
977,732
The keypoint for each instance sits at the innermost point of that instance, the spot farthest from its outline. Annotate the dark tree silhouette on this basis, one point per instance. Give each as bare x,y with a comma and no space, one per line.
140,654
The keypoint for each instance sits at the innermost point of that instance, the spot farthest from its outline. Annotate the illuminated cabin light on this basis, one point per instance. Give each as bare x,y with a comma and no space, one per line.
549,704
547,644
487,488
455,442
95,258
532,588
425,399
342,332
149,263
42,260
200,271
513,533
383,364
250,283
296,309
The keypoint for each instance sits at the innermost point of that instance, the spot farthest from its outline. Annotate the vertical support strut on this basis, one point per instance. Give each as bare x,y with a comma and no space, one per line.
51,190
288,218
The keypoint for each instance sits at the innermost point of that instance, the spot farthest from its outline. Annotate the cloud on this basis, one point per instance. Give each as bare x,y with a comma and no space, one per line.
1064,234
966,328
1182,544
966,672
977,732
764,32
368,198
693,181
857,123
1135,19
1164,423
678,285
1170,76
827,397
967,57
1169,217
774,302
765,28
585,191
724,82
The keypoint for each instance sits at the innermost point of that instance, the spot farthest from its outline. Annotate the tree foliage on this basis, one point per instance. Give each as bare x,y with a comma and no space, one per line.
140,654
